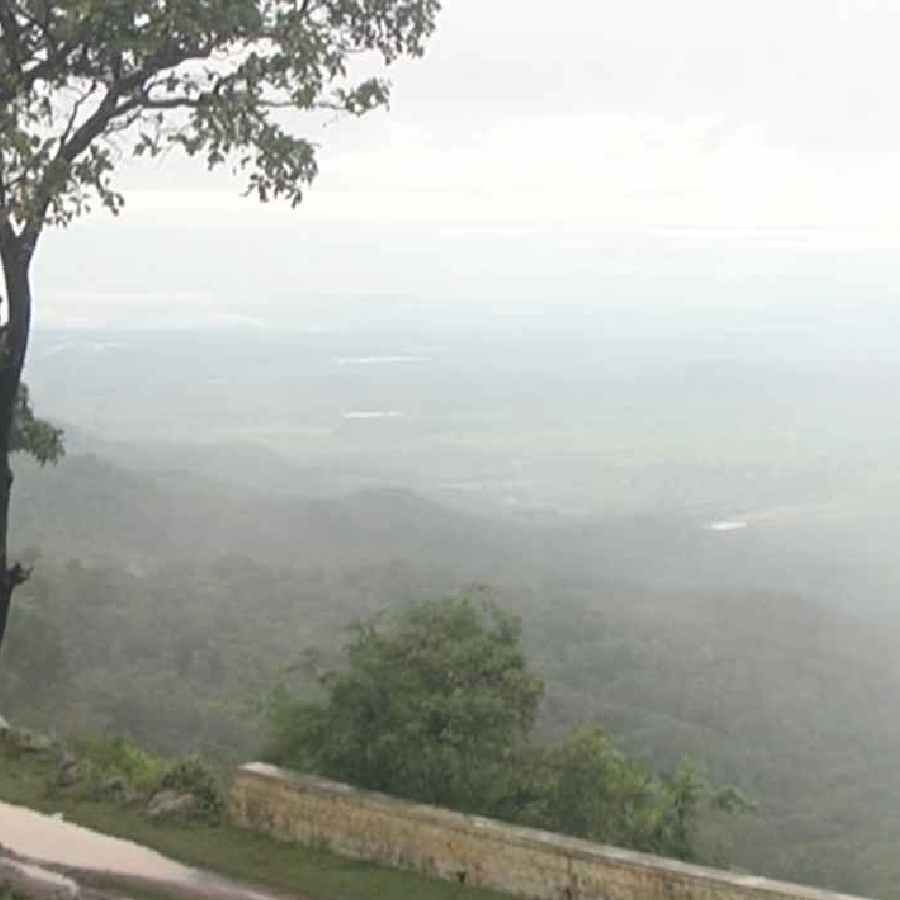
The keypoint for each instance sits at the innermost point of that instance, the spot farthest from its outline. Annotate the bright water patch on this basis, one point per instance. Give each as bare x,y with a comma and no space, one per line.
379,360
374,414
726,525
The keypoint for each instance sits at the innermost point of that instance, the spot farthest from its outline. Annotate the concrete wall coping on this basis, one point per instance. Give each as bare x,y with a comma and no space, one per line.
531,837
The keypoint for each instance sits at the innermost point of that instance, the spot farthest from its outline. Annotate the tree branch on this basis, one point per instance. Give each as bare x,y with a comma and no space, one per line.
17,575
9,32
76,109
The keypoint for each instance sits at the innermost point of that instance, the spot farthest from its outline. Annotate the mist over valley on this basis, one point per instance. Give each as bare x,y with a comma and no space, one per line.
698,532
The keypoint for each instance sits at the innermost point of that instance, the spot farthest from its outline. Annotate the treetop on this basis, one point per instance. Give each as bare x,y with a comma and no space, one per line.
85,82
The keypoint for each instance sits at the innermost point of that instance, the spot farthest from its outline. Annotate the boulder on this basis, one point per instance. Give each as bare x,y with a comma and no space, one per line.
21,740
69,772
172,805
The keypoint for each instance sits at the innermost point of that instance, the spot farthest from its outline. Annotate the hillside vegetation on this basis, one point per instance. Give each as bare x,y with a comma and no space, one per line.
171,610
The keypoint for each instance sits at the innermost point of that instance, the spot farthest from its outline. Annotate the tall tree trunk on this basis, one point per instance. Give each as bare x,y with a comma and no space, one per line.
15,254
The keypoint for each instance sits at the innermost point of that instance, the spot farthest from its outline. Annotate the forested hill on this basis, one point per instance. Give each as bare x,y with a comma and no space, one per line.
90,508
167,604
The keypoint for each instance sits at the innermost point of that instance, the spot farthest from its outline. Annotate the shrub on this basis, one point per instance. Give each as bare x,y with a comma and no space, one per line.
104,761
192,775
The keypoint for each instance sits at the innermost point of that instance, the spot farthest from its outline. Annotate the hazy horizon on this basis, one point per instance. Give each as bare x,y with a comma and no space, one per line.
529,159
601,314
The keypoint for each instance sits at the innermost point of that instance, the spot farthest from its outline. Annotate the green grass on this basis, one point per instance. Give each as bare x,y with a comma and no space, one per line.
229,851
7,894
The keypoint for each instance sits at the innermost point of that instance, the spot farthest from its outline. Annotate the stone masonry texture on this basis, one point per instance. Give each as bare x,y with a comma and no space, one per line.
474,850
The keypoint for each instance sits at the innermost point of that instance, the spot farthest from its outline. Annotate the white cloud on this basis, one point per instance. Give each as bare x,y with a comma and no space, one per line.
524,146
602,171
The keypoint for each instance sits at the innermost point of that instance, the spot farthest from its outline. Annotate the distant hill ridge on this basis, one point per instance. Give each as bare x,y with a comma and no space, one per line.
89,507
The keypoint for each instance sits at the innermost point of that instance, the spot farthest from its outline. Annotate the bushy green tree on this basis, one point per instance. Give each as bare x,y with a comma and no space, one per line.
433,705
81,81
437,704
585,786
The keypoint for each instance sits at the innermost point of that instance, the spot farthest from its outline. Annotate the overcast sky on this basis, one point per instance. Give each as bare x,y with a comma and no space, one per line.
537,150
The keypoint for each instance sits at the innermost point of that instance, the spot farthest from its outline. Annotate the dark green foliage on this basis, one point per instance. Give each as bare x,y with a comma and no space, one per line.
81,79
36,437
194,776
790,701
586,786
437,705
432,706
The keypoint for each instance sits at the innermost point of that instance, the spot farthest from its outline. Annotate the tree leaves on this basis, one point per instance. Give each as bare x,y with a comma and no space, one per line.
32,435
432,706
84,81
437,705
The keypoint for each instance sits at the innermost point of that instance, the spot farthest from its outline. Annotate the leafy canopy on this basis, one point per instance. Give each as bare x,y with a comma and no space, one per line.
587,787
35,437
432,706
83,82
436,704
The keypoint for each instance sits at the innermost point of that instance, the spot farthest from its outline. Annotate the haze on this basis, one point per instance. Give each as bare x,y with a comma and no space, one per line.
602,314
529,152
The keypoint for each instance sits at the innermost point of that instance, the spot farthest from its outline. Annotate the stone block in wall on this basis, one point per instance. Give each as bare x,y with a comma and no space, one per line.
476,851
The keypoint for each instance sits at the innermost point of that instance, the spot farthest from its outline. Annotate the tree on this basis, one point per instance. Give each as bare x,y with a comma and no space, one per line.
437,704
585,786
81,80
433,706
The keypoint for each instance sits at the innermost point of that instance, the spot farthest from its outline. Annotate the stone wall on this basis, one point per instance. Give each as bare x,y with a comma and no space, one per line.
474,850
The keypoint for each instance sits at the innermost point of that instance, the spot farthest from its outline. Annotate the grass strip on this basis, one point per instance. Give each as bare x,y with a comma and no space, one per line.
228,851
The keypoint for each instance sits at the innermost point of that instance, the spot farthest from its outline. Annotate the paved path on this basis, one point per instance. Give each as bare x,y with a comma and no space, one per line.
97,857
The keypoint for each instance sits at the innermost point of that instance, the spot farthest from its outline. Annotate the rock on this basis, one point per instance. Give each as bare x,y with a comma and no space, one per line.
40,743
21,740
172,805
34,742
26,880
69,772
